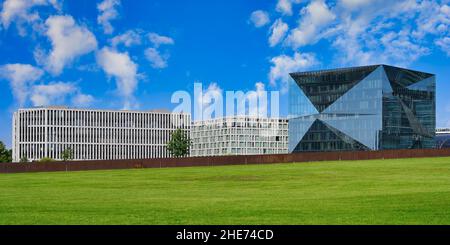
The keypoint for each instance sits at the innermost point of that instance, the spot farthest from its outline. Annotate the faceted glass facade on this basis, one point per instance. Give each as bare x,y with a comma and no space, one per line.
361,108
443,141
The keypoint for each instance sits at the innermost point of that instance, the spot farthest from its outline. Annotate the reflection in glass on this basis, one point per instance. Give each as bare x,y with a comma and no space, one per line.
362,108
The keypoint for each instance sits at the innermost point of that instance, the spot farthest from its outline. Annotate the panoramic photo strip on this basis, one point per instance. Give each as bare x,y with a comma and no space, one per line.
225,120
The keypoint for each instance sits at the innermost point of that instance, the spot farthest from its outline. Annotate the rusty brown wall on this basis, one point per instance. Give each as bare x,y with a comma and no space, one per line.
218,161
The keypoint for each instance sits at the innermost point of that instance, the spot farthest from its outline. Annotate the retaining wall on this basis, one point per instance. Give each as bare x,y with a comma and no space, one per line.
218,160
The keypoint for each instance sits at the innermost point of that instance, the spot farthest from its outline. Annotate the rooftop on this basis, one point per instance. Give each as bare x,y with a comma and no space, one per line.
350,69
66,108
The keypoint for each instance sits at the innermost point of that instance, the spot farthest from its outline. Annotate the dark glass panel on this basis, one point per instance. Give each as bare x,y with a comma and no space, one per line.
323,88
390,108
402,78
322,137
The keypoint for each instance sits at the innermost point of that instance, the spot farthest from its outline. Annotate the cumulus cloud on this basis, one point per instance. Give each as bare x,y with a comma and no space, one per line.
51,94
82,100
400,47
20,11
370,31
158,40
153,54
444,44
107,12
259,18
156,60
21,77
355,4
433,18
283,65
123,69
366,32
69,41
314,18
128,39
59,93
278,31
285,6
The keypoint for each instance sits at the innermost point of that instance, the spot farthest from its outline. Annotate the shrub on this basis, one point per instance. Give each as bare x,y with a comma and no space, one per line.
47,159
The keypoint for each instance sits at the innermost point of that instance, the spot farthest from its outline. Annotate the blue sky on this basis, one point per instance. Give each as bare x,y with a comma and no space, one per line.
134,54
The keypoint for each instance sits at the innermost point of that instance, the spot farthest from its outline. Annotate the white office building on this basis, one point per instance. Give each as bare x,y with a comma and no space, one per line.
239,135
93,134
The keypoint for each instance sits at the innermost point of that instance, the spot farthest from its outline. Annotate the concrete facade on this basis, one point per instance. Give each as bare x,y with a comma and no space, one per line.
93,134
239,135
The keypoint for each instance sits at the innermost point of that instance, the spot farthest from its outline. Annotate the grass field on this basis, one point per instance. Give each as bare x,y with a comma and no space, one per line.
404,191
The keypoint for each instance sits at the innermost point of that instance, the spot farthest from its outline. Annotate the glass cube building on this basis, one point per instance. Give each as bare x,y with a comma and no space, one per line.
361,108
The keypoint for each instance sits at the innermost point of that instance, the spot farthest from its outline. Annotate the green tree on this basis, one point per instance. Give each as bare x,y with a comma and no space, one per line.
47,159
5,154
23,159
67,155
179,144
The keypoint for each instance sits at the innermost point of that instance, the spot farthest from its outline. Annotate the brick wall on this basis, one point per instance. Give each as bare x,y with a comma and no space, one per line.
218,161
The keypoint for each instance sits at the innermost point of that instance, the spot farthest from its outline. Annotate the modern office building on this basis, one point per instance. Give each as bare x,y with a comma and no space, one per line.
361,108
239,135
442,138
93,134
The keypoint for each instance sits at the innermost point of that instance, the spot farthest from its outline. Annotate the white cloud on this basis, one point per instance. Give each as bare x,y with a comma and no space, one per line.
107,13
259,18
153,55
69,41
158,40
59,93
82,100
372,31
390,47
314,18
354,4
157,61
367,32
51,94
20,11
350,52
444,44
123,69
21,78
283,65
278,31
128,39
285,6
398,46
433,19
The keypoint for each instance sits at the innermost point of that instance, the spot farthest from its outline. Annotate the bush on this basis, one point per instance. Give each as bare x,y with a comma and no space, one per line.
5,154
23,159
47,159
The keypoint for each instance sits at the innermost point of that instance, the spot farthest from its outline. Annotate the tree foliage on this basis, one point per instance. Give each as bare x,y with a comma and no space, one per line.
24,159
67,155
5,154
179,144
47,159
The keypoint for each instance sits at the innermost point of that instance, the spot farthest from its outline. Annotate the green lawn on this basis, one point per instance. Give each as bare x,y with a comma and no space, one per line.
406,191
